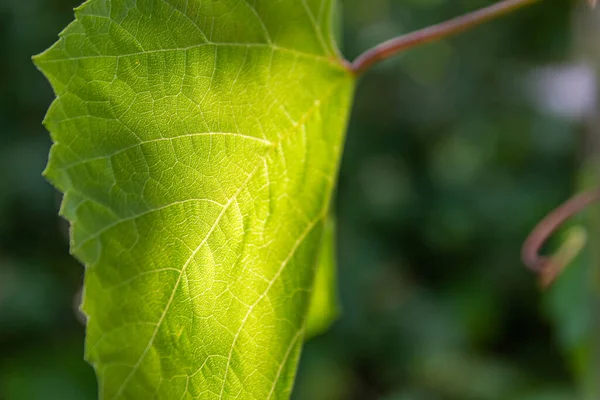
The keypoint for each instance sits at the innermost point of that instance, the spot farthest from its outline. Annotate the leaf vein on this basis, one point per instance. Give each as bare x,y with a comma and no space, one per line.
167,139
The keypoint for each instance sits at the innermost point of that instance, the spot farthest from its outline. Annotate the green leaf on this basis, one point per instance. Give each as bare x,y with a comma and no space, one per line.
197,143
324,309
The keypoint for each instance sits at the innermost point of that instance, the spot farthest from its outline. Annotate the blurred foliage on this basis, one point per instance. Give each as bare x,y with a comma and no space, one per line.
450,160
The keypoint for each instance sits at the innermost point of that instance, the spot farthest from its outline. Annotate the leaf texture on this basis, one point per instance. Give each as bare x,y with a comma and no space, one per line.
197,143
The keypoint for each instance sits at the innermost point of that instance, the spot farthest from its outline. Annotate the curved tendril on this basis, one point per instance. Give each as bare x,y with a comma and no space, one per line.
550,266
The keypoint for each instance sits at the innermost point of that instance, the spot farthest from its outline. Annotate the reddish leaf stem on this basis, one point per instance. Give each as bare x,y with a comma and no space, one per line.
394,46
545,228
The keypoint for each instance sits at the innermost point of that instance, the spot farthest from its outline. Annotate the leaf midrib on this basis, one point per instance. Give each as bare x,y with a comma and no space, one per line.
331,60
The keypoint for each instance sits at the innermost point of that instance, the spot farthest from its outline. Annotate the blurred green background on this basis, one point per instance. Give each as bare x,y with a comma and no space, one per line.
455,150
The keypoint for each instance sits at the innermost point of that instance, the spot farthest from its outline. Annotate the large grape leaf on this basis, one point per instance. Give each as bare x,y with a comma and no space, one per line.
196,143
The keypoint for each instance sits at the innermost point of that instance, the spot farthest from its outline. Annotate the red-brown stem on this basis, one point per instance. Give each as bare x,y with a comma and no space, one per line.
394,46
543,230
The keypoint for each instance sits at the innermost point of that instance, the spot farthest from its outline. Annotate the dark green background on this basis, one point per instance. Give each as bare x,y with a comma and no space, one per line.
448,165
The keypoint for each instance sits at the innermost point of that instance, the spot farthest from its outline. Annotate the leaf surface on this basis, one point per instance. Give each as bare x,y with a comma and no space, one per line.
324,308
197,143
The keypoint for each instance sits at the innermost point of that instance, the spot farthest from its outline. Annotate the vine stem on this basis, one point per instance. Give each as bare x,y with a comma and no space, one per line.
548,267
394,46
